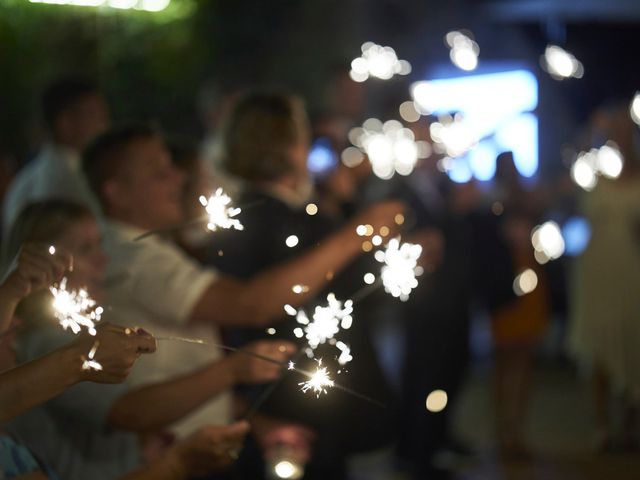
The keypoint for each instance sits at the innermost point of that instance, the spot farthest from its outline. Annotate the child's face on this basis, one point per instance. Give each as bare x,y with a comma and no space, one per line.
83,241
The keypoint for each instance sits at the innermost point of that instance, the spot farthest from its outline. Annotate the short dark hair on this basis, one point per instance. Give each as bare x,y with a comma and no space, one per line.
63,94
102,160
259,132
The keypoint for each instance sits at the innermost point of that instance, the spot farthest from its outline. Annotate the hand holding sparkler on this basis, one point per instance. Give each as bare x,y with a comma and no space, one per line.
36,267
250,369
210,449
112,353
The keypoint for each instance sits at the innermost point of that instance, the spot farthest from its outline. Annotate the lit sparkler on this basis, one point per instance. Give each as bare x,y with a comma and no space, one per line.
318,382
89,363
326,320
75,309
220,212
400,267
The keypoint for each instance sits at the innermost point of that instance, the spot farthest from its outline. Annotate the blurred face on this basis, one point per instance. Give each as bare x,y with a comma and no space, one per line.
83,241
147,193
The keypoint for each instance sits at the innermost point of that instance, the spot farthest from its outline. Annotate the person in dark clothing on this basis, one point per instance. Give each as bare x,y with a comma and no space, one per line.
265,144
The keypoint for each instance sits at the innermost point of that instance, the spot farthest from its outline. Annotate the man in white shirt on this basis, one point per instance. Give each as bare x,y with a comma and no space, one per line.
163,290
74,112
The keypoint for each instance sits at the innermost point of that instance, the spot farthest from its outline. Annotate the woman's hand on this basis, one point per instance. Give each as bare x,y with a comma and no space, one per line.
115,348
251,370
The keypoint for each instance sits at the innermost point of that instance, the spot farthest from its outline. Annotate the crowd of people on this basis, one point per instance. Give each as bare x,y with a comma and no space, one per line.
163,408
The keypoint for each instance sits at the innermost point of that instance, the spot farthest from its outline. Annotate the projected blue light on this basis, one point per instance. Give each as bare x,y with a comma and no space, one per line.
498,107
576,233
322,157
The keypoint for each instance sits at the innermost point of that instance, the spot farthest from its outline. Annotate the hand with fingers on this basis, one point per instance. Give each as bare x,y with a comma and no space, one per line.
250,369
210,449
116,350
36,267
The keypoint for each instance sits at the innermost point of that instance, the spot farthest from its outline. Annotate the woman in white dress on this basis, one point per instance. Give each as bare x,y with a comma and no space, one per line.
605,331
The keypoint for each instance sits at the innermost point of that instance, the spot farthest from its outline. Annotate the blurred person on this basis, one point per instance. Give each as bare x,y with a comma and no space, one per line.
74,111
518,322
266,144
164,291
88,431
604,331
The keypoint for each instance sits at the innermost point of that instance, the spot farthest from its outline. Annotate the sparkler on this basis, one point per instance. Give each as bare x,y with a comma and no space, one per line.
400,267
326,320
318,382
89,363
220,212
75,309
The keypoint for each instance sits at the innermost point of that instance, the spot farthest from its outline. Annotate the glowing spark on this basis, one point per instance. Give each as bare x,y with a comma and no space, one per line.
634,108
547,240
377,61
271,331
390,147
436,401
89,363
52,250
291,366
345,353
464,50
526,282
325,321
220,212
318,382
291,241
561,64
400,267
299,288
75,309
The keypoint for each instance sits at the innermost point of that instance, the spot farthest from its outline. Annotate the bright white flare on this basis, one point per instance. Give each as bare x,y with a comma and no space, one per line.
377,61
400,267
634,108
561,64
75,309
525,282
548,241
606,161
89,363
318,382
452,135
326,321
464,50
220,212
390,147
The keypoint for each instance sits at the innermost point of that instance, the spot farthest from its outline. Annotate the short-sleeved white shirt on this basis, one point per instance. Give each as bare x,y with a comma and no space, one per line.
54,173
157,288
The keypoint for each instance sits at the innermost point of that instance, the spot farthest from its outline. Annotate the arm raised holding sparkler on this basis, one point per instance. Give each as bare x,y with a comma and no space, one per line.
259,300
35,267
155,406
35,382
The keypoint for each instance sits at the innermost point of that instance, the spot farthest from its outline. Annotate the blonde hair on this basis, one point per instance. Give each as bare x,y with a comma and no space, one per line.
259,133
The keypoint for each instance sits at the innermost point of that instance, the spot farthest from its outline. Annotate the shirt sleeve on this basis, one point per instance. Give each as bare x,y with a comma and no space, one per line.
165,282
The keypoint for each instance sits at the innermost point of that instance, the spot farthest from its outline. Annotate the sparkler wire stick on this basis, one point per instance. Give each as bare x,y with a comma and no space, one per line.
306,373
189,223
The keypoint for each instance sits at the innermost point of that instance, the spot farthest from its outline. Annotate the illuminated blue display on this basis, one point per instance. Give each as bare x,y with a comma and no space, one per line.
322,158
576,233
499,108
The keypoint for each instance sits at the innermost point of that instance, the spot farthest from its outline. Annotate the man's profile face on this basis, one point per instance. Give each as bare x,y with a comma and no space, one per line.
149,186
